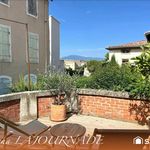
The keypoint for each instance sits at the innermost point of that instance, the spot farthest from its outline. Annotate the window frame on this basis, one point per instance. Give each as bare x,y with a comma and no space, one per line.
125,51
4,4
8,77
26,77
10,50
38,45
27,12
125,61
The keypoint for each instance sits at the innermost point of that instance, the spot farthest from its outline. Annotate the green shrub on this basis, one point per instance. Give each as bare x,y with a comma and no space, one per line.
140,89
84,82
94,65
21,86
113,77
106,78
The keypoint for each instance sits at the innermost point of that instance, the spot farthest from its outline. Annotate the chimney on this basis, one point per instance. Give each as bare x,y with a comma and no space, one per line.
147,35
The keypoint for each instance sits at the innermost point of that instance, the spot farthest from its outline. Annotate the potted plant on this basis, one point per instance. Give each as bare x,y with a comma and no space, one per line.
64,85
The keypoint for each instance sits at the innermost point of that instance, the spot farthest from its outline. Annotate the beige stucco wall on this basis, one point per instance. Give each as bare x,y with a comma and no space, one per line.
69,64
54,27
119,55
17,12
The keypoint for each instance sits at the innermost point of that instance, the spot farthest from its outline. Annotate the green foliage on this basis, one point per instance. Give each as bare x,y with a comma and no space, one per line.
21,86
79,71
109,76
106,56
63,83
104,75
142,62
70,71
113,62
94,65
140,89
84,82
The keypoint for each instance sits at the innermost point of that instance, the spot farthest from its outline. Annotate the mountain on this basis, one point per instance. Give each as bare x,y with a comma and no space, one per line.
78,57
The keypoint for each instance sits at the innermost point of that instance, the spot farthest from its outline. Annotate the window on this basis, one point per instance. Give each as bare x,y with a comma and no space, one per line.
33,48
5,84
32,6
33,78
124,61
125,50
5,44
5,2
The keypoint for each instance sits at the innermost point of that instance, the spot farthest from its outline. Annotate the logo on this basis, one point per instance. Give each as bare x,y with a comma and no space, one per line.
138,140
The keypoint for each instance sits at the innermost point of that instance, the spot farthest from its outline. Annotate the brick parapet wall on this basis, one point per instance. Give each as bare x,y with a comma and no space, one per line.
102,103
44,104
11,110
113,105
27,104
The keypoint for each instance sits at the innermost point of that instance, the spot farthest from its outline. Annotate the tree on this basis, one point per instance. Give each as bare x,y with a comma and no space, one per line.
141,87
94,65
106,56
142,62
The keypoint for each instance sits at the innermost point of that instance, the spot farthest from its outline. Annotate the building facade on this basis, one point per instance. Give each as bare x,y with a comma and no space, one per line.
73,64
54,45
24,37
125,52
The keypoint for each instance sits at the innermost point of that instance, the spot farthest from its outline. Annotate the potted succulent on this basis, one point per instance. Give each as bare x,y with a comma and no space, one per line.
65,86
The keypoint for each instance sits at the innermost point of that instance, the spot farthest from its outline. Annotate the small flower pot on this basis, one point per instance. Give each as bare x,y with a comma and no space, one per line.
58,112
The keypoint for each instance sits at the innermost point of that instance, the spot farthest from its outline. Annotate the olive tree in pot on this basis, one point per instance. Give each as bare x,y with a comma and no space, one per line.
65,86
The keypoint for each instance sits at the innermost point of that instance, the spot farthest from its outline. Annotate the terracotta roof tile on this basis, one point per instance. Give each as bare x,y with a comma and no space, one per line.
136,44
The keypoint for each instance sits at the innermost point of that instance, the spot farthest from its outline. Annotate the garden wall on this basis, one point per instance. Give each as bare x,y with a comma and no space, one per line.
11,110
44,108
107,104
113,105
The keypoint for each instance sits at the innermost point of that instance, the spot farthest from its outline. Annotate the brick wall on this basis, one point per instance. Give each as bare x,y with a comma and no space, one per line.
102,103
44,106
115,108
11,110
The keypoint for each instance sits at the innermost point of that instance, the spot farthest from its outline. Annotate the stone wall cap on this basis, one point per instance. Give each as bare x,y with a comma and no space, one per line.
100,92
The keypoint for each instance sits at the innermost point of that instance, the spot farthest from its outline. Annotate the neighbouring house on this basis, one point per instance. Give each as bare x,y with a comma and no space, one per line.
24,37
125,52
73,64
54,45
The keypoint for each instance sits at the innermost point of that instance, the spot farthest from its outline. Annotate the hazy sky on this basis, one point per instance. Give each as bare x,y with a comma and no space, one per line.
88,26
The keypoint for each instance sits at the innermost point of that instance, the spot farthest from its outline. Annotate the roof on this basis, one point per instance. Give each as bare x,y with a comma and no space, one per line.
136,44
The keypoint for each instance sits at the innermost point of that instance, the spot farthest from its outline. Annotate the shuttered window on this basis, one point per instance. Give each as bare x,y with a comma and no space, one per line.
33,78
5,84
5,45
33,48
32,7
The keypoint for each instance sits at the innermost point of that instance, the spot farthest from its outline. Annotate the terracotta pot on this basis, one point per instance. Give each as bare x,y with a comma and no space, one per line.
58,112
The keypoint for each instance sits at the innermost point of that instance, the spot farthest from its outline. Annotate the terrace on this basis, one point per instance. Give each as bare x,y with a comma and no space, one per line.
90,123
96,109
102,108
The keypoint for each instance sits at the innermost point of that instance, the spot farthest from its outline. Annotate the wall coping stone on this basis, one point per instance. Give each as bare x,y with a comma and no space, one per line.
52,92
106,93
19,95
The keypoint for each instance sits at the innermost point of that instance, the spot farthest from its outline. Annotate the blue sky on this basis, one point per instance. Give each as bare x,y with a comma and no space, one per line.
88,26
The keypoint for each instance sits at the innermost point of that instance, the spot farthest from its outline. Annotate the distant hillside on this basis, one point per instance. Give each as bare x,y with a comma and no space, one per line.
77,57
